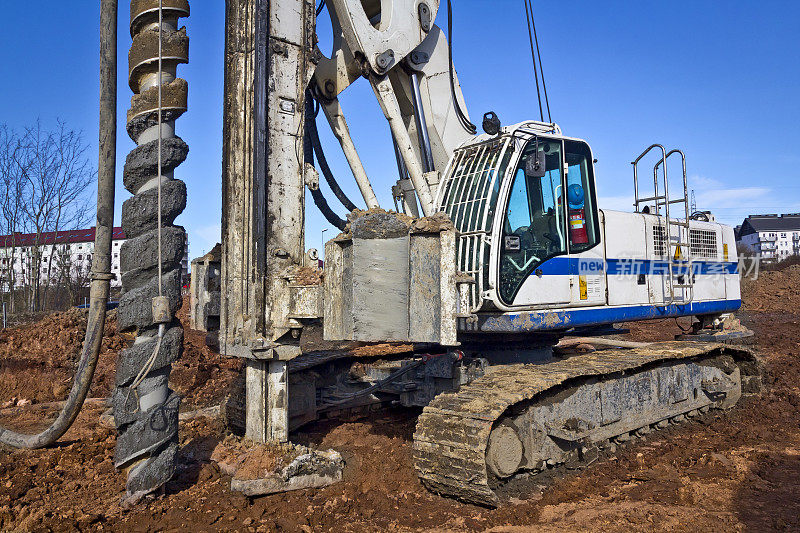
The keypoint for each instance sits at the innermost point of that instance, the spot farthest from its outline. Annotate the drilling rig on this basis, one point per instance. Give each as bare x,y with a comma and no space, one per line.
500,251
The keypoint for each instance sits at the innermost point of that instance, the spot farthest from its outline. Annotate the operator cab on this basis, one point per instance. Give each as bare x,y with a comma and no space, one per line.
531,190
550,210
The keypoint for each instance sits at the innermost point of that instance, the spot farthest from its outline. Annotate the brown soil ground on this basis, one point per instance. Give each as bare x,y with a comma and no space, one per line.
51,348
37,361
737,471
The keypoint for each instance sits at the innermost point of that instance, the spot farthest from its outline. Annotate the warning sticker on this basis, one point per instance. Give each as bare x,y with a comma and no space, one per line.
591,287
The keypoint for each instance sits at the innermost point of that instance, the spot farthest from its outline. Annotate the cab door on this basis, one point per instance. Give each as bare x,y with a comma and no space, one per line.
585,234
534,269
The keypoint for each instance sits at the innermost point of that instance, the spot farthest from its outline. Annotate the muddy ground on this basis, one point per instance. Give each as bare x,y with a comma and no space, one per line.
738,471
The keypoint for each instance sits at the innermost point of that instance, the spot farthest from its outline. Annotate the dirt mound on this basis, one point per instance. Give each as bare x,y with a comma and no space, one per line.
38,360
774,291
235,456
201,376
731,471
308,276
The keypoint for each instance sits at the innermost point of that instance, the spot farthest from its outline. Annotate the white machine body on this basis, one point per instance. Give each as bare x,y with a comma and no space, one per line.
543,259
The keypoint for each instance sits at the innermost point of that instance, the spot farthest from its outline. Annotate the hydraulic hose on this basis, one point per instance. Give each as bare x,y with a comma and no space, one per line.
309,148
311,126
101,265
322,204
375,387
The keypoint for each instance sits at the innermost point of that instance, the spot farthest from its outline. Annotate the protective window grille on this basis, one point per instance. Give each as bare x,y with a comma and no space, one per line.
659,241
468,197
471,183
469,262
703,243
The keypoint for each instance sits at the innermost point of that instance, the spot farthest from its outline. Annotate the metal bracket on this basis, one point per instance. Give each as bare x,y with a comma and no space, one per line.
425,19
432,178
102,276
385,60
418,58
311,177
573,430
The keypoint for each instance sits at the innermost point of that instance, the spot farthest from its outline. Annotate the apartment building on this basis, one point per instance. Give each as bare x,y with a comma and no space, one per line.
57,252
774,237
52,253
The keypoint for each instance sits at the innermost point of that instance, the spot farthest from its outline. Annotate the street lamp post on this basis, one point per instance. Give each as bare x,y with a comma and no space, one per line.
322,249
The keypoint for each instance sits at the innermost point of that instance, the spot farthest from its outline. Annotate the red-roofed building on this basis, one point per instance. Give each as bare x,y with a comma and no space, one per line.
57,251
62,237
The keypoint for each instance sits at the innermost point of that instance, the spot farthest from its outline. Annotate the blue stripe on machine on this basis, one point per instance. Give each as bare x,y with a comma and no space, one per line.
532,321
631,267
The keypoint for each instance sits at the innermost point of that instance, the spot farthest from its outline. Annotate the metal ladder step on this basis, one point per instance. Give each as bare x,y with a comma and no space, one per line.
676,281
651,198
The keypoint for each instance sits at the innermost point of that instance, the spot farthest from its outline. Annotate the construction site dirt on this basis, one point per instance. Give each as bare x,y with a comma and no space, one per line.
732,471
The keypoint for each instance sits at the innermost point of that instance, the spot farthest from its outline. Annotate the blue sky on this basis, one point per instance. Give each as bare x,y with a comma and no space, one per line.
716,79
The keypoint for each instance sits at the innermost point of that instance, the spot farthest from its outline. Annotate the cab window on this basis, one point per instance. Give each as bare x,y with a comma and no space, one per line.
581,210
535,222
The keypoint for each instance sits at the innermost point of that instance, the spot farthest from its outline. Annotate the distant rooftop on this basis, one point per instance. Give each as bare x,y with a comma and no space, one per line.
61,237
771,222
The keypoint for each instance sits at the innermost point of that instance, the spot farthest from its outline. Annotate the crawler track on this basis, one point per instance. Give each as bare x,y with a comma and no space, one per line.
452,434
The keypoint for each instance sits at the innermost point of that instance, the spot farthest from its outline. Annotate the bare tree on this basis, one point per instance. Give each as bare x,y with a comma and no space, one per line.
11,171
50,175
73,277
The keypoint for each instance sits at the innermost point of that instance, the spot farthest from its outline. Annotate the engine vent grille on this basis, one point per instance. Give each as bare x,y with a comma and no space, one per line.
659,241
703,243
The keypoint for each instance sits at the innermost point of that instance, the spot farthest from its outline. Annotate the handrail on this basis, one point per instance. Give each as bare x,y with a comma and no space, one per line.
636,175
687,250
657,197
683,163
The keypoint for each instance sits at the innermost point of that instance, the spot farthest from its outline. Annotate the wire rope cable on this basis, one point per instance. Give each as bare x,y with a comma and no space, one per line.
541,69
528,16
148,366
462,117
160,130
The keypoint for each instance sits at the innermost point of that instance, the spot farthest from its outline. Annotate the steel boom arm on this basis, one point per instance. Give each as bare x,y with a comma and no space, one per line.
406,62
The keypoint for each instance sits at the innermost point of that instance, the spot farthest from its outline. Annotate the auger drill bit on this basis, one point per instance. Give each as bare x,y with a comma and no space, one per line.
145,409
